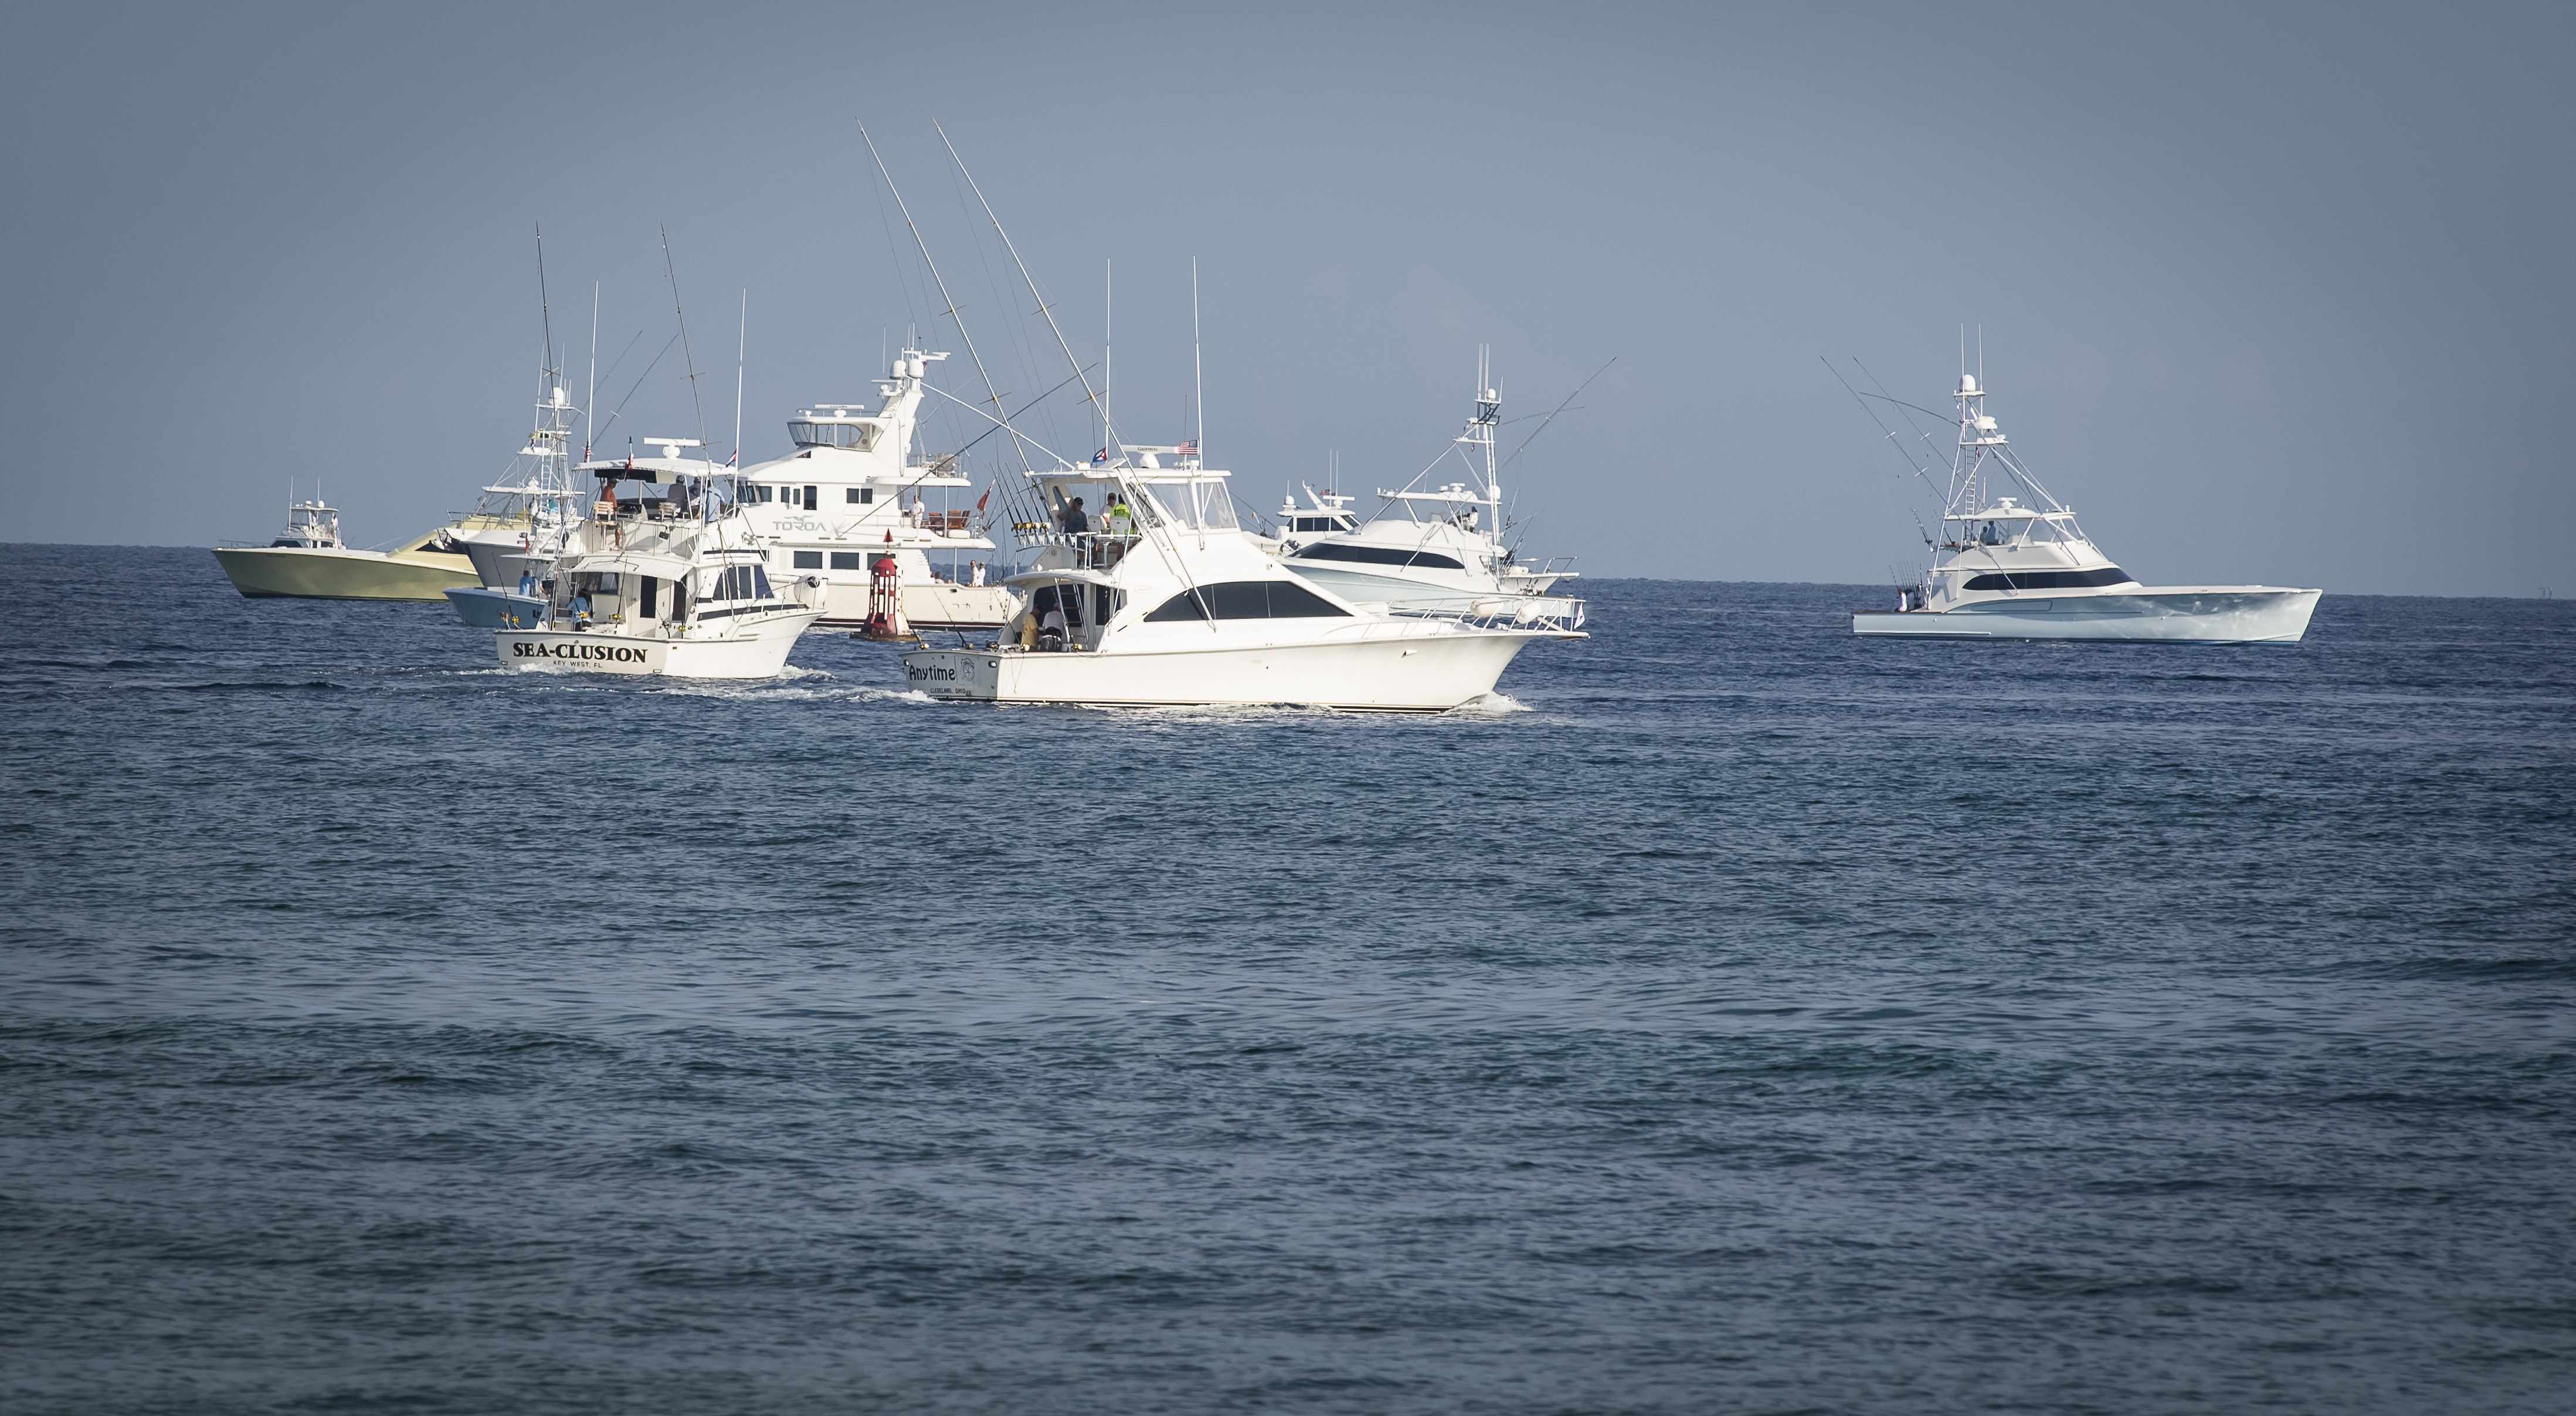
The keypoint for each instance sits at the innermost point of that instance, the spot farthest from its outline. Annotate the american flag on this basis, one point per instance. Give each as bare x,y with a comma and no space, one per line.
1190,448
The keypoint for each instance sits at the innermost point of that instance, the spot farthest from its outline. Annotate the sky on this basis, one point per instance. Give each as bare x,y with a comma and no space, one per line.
2268,294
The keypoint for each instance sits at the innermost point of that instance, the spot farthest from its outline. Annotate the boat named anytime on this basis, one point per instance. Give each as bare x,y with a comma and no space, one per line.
1168,603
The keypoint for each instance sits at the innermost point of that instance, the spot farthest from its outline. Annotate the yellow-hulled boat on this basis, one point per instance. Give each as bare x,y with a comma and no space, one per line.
307,560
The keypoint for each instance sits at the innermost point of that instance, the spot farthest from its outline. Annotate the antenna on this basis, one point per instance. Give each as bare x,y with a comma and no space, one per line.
686,356
1108,322
1198,371
590,396
742,345
545,316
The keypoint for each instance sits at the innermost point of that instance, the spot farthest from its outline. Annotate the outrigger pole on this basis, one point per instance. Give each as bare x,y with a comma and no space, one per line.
955,311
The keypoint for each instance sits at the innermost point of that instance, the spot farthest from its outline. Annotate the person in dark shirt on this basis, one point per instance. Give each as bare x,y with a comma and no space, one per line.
1073,520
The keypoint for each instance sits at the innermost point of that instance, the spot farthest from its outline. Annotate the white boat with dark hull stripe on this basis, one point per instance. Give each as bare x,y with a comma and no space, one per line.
1174,607
1438,550
2003,569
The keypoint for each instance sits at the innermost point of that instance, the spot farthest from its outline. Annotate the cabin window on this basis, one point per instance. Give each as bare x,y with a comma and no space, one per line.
1319,523
810,502
2050,579
740,582
849,560
761,494
859,496
1246,599
809,560
857,436
1380,555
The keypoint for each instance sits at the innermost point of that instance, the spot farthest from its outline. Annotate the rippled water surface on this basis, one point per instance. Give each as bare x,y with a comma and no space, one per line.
1738,1017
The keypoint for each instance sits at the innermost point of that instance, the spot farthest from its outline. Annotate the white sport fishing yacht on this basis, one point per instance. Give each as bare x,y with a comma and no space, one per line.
522,523
674,585
2006,568
853,493
1170,604
1439,549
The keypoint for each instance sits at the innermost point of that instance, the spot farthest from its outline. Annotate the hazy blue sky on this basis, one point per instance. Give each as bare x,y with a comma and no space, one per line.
2275,294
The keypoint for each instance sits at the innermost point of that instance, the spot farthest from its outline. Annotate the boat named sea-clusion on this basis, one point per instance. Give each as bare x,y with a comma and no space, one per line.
2006,569
673,584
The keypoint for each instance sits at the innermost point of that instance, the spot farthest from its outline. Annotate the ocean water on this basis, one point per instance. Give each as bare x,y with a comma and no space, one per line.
1736,1017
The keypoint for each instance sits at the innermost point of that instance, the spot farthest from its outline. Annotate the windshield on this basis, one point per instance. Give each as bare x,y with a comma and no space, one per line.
1198,504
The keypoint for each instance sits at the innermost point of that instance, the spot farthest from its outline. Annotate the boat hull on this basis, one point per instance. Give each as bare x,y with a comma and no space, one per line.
930,604
497,609
1436,597
1425,673
759,652
2248,615
497,564
300,572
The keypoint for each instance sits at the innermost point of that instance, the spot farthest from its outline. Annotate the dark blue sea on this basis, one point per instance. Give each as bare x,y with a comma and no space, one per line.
1742,1017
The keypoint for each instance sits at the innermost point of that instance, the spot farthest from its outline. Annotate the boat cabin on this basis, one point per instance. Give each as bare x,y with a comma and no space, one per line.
310,526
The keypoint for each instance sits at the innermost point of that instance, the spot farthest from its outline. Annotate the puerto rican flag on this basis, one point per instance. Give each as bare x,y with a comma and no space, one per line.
1101,456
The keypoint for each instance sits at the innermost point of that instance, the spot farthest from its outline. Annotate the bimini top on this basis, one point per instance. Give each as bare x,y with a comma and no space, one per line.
2009,509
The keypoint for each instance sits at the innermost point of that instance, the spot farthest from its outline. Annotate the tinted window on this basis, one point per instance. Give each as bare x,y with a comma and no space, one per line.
2050,579
845,560
809,560
1379,555
1297,602
810,502
1246,599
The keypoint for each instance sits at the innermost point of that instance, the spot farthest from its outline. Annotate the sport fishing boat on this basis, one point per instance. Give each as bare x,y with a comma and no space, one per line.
308,560
522,522
855,493
674,584
2018,567
1172,605
1436,549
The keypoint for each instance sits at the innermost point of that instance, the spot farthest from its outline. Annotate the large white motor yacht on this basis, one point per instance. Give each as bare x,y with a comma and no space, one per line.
2009,568
1170,604
853,493
1437,549
675,585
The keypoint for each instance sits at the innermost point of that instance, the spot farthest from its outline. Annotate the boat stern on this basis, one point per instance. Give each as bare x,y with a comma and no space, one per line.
965,675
